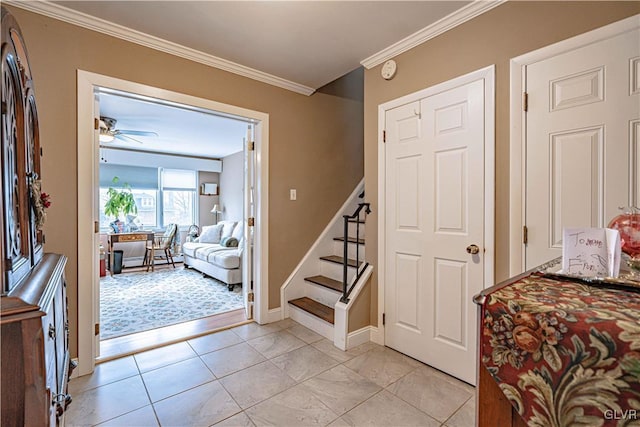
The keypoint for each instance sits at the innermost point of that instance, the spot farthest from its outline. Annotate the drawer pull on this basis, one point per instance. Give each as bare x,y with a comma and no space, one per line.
52,332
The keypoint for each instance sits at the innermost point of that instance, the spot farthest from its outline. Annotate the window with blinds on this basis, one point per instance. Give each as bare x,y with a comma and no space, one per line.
163,196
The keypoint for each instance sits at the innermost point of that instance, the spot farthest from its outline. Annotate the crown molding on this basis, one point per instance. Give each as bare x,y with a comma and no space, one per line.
460,16
84,20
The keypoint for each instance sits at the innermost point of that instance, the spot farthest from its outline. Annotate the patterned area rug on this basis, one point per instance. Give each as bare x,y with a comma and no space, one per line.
139,301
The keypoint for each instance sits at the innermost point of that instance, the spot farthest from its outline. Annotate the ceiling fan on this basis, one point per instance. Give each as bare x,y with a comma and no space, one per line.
108,131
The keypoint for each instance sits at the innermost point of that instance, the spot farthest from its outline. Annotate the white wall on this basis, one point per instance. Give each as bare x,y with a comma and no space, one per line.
231,187
169,161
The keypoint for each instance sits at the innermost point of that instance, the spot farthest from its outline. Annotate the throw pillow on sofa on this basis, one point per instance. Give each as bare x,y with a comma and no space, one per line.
227,228
210,234
238,231
229,242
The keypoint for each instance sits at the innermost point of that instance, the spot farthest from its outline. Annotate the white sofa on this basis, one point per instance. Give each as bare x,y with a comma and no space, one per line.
207,255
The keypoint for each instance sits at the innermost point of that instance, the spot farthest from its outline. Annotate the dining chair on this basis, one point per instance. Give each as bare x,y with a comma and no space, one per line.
161,248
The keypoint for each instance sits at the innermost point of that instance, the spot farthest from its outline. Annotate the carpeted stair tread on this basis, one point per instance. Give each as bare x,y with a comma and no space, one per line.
339,260
349,239
320,310
326,282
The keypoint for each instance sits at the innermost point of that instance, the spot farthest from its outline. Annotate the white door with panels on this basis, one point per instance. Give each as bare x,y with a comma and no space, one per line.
582,129
434,223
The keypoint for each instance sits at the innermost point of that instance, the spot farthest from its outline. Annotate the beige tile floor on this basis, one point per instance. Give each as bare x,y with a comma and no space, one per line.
281,374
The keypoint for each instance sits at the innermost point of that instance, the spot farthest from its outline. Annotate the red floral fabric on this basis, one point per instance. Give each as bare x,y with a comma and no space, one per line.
565,353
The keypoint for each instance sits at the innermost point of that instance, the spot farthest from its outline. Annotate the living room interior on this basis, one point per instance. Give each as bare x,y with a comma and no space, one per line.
325,146
188,171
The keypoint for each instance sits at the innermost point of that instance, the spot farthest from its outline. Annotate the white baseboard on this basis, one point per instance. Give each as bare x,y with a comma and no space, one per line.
130,262
273,315
358,337
377,335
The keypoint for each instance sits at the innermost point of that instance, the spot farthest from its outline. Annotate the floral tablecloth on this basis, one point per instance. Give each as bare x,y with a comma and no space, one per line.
565,353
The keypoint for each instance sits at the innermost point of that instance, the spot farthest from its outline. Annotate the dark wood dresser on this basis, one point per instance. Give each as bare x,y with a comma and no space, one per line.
34,342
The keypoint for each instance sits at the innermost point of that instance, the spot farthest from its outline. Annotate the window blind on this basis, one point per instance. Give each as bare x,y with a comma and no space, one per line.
138,177
178,179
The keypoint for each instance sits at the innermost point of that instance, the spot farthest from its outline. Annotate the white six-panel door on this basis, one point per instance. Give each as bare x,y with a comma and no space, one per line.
434,210
582,128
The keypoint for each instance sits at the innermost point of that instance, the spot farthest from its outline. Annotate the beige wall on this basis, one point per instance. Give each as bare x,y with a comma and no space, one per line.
359,313
205,203
314,144
495,37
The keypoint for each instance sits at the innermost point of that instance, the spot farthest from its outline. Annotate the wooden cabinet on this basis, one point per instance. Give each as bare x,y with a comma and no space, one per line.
21,235
493,407
34,348
34,345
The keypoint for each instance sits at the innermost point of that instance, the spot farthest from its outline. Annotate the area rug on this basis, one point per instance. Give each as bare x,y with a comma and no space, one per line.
139,301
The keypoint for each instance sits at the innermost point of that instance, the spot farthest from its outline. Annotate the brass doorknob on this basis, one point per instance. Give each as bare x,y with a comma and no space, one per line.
473,249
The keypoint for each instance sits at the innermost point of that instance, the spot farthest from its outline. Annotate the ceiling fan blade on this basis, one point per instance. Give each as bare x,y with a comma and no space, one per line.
125,137
136,132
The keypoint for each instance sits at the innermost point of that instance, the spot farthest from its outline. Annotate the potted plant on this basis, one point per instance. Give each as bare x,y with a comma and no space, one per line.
120,201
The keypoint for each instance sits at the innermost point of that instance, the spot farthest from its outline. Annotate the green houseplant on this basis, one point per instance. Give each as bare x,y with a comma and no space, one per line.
120,201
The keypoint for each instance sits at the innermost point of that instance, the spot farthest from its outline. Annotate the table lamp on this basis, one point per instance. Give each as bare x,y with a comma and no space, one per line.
216,210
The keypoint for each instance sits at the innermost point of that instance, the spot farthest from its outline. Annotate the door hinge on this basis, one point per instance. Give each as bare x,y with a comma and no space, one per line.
384,136
525,235
96,329
252,146
96,123
40,151
251,221
96,227
250,297
8,264
384,319
525,101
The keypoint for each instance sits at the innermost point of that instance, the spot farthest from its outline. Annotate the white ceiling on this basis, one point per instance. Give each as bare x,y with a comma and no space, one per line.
183,131
298,45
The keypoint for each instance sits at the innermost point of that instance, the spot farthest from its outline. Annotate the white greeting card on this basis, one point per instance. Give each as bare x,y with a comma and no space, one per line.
591,252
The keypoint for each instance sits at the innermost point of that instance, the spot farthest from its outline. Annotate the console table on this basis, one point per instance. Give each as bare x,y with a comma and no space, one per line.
557,351
135,236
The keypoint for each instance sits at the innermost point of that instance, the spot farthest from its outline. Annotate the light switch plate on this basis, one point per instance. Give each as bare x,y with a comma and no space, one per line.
292,194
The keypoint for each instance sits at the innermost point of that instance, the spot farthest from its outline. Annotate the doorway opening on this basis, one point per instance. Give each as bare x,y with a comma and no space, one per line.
168,175
249,214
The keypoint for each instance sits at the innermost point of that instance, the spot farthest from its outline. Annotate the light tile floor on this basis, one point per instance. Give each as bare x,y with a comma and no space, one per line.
281,374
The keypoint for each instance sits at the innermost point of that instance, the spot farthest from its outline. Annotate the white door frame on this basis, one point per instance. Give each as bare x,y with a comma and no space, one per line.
517,163
87,167
488,74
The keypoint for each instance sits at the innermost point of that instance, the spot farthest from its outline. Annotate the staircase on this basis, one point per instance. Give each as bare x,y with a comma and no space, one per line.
318,284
